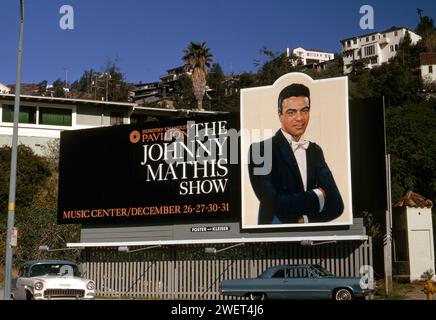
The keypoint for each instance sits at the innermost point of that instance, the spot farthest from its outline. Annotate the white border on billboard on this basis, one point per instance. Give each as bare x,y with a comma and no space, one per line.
294,77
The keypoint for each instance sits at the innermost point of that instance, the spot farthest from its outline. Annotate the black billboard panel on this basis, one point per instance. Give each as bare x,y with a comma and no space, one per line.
176,170
368,154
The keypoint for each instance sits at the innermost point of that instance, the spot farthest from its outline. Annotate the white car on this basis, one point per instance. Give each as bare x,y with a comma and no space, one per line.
52,279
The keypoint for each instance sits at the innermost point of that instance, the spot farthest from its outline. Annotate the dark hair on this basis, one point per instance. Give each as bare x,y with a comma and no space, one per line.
293,90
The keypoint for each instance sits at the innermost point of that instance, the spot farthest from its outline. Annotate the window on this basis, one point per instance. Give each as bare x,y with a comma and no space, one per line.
298,272
396,33
396,47
55,116
348,43
392,48
116,118
430,69
279,274
355,41
367,39
369,51
373,38
27,114
43,269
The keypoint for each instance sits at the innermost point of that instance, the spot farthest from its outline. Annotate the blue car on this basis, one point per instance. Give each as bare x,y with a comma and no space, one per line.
308,281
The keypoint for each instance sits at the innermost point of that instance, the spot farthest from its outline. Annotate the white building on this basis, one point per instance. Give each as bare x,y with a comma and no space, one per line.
42,119
4,89
377,47
311,56
428,66
413,237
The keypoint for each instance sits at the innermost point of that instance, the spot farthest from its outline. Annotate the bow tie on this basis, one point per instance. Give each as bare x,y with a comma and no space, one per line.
300,144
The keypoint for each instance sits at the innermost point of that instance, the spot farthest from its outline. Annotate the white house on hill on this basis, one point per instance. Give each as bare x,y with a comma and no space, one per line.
377,47
310,56
428,66
4,89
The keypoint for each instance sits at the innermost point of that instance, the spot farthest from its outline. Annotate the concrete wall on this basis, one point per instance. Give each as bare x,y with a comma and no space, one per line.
37,144
36,135
426,75
93,116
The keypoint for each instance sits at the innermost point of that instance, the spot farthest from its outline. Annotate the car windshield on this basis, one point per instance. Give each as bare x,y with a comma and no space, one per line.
317,269
54,269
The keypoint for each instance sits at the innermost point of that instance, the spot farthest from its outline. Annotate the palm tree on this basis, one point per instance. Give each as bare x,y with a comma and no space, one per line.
198,57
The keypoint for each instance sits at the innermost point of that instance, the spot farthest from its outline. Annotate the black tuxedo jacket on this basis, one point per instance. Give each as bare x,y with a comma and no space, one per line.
281,191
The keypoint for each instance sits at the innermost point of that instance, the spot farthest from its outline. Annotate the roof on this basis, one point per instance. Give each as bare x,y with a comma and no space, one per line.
427,58
179,68
3,86
146,84
315,50
67,100
391,29
413,200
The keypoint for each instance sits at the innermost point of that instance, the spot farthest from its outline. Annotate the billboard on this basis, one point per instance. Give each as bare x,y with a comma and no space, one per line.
176,170
295,141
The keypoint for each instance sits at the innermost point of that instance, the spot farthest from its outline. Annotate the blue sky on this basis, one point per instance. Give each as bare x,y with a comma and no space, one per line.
148,37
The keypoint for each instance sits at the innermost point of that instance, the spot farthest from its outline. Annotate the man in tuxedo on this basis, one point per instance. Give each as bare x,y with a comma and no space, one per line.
300,187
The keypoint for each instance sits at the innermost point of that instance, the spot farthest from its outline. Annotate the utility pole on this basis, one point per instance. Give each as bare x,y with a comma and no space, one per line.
66,82
387,239
107,86
107,78
13,174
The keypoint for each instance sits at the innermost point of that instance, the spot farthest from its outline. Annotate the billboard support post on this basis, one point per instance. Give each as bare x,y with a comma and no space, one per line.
388,237
387,240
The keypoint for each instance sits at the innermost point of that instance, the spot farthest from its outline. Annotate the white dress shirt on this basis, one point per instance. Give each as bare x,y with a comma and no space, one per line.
299,149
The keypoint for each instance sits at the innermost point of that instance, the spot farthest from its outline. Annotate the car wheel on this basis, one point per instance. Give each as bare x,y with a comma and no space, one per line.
257,296
343,294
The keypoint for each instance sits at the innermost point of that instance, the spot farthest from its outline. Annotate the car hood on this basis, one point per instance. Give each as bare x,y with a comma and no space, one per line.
62,281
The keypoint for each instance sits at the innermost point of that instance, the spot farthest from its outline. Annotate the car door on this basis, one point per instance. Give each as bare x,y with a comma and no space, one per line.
302,284
274,285
322,283
295,283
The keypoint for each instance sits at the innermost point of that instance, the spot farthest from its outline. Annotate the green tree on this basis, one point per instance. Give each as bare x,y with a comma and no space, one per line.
424,26
36,205
32,171
42,88
82,88
427,31
110,83
216,84
276,66
198,56
334,68
183,93
408,53
58,88
113,78
396,81
411,130
216,78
